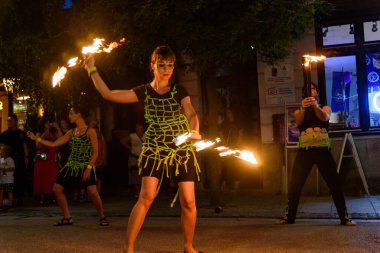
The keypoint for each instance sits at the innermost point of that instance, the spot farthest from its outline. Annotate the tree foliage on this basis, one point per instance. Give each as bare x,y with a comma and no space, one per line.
29,31
37,36
212,32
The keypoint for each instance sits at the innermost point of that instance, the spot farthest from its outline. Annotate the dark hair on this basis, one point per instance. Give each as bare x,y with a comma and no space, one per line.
7,150
304,89
41,126
53,130
81,109
162,53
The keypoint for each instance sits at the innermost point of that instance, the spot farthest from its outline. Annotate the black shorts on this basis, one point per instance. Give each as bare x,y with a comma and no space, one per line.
69,179
187,172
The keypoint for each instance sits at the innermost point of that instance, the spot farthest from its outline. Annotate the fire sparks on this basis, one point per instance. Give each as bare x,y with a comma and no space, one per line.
223,151
313,58
99,46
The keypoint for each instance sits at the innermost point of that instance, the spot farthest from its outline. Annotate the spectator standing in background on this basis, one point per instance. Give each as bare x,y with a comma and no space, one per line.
7,168
45,164
231,134
16,140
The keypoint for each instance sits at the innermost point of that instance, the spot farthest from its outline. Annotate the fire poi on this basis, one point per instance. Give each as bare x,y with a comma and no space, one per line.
223,151
99,46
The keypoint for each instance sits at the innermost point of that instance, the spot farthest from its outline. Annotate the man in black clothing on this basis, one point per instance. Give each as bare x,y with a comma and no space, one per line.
16,139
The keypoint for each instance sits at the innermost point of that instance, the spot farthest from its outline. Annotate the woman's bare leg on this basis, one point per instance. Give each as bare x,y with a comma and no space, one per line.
188,214
139,211
61,200
93,194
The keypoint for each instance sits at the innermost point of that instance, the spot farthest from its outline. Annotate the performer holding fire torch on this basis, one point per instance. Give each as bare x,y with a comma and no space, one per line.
314,144
169,113
79,170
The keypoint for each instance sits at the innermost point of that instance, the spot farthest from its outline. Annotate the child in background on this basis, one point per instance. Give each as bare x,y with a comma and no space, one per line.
7,168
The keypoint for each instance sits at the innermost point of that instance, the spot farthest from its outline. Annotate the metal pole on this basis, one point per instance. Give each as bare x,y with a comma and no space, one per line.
306,76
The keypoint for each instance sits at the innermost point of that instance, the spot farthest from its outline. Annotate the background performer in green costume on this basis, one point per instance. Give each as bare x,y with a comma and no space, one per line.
169,113
79,169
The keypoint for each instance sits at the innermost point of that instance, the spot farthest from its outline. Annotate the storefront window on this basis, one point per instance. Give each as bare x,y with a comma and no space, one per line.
341,92
373,82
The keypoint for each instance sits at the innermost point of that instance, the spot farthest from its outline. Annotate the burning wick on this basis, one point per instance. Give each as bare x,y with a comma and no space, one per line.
97,47
313,58
246,156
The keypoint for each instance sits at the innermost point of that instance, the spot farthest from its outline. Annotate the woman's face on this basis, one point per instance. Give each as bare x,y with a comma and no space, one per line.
163,69
314,91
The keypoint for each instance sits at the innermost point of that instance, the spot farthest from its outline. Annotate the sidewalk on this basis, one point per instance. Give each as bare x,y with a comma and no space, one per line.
248,204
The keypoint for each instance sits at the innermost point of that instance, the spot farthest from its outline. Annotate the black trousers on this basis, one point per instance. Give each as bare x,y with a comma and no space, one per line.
19,178
305,159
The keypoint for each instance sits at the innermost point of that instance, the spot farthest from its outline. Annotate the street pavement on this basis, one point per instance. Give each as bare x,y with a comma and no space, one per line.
246,224
118,202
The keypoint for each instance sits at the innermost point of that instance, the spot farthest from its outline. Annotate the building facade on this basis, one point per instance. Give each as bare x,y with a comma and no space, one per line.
349,83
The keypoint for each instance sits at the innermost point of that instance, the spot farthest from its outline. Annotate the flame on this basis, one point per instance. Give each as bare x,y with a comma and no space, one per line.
313,58
59,75
72,62
98,46
221,148
201,145
180,139
223,151
246,156
227,152
241,154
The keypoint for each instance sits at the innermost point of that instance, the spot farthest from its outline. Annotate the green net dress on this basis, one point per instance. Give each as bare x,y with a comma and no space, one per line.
80,156
160,156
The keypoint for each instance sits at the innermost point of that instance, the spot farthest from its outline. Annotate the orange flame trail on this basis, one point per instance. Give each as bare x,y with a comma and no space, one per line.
223,151
97,47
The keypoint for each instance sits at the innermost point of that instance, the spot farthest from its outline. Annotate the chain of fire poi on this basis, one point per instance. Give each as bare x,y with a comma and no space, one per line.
223,151
97,47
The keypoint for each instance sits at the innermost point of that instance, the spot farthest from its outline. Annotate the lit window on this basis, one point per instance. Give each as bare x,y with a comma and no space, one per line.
336,35
341,91
371,31
373,82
